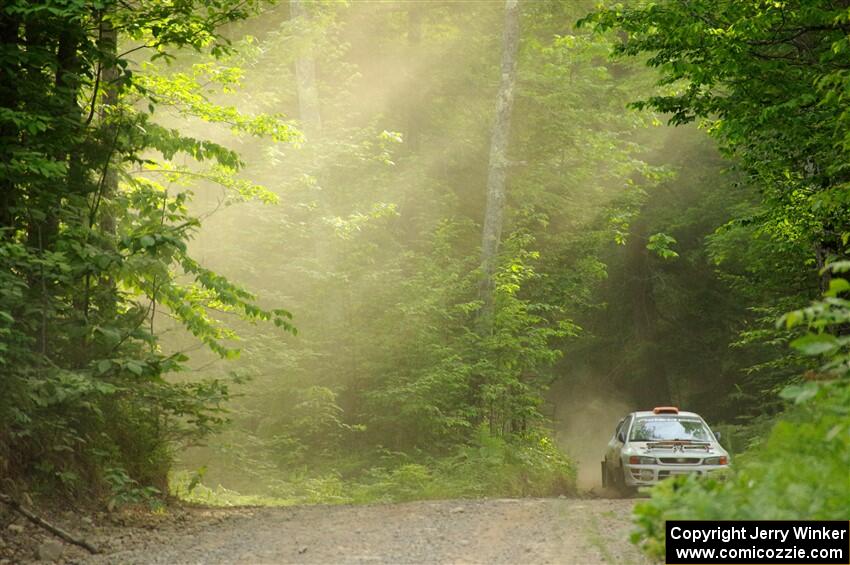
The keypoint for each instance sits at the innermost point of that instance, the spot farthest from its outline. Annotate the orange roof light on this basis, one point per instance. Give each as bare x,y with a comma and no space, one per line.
665,410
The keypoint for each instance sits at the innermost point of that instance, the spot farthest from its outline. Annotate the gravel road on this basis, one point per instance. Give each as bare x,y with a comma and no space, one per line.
517,531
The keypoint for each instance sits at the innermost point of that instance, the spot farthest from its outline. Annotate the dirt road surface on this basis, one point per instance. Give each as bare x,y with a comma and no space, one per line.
562,531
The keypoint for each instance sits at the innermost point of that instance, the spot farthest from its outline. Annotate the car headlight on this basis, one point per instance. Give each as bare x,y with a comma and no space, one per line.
640,460
722,460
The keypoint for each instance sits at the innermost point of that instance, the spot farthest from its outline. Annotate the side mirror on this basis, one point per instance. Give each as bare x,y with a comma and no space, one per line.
621,437
717,434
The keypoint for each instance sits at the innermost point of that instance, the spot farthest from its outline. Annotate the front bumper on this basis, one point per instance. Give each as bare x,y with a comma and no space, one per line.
647,475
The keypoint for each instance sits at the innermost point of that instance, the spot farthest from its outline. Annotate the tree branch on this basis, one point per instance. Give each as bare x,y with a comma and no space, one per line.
41,522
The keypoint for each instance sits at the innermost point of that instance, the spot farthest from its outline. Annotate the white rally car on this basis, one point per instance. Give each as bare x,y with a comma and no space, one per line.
648,447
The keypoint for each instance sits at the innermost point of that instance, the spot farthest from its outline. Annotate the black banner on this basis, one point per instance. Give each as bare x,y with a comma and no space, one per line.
693,542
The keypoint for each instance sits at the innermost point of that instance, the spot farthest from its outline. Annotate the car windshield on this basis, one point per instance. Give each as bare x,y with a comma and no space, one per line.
661,429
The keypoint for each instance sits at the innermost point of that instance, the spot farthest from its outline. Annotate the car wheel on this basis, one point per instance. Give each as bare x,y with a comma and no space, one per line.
623,489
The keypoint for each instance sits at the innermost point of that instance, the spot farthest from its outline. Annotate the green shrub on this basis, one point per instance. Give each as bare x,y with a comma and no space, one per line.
518,466
410,481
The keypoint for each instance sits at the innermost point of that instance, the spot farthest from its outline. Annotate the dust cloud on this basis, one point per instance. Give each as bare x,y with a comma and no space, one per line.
584,423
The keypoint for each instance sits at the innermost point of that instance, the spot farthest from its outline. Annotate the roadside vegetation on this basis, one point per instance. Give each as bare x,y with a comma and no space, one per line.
768,81
488,467
804,455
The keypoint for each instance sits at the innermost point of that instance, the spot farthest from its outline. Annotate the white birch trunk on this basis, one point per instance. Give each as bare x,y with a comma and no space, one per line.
305,78
497,168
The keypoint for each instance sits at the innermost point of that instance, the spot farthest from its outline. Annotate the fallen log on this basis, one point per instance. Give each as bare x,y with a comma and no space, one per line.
41,522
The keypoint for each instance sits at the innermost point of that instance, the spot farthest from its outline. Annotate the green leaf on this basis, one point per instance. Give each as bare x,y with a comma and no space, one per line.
838,266
816,344
837,286
660,244
799,393
111,335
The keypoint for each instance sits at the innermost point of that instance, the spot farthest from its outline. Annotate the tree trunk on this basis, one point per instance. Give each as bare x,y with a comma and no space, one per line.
823,252
305,78
414,86
102,213
46,203
9,135
109,83
497,168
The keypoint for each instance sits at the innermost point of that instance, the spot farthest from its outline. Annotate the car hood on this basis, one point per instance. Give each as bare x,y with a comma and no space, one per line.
674,449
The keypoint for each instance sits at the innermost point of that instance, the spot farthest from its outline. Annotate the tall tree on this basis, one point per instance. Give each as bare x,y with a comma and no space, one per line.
414,104
771,79
305,75
109,77
497,167
82,258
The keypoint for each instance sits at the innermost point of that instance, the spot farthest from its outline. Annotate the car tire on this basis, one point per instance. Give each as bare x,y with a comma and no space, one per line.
624,490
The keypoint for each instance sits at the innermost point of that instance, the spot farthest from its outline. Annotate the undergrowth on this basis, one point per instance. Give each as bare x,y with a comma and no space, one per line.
491,466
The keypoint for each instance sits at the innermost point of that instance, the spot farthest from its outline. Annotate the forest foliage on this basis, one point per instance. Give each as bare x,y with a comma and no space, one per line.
769,82
185,183
378,250
95,232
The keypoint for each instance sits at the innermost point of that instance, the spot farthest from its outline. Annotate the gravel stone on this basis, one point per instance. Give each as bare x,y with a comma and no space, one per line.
50,551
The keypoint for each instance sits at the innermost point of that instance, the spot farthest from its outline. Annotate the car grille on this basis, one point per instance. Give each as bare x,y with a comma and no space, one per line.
680,460
668,474
647,475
